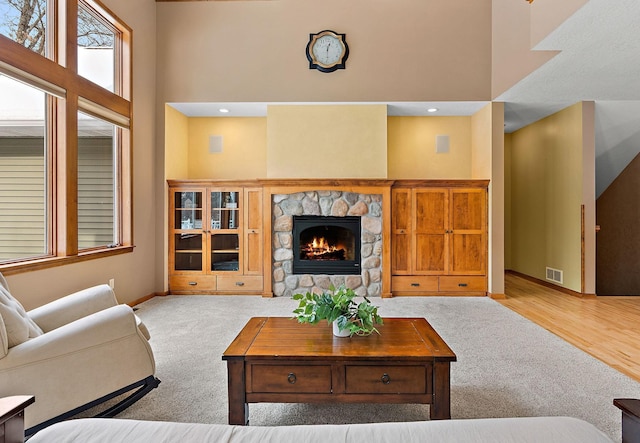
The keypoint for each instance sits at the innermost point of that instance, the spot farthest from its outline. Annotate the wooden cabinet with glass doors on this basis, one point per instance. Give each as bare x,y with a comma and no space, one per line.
215,238
439,238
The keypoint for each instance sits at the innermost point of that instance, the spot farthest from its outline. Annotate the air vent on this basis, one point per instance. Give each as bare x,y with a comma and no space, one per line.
554,275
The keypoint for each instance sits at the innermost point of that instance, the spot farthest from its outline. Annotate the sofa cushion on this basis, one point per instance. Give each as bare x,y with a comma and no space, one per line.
497,430
16,327
17,324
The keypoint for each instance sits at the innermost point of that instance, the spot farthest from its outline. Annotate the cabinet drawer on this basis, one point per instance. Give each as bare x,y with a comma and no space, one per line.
239,283
414,283
386,380
462,284
290,379
192,283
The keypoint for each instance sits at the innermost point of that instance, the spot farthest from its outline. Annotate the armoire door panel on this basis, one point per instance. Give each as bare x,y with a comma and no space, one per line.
401,254
430,254
468,254
431,211
467,210
401,210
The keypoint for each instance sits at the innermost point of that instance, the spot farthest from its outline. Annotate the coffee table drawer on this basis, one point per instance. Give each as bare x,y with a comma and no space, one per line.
290,378
386,380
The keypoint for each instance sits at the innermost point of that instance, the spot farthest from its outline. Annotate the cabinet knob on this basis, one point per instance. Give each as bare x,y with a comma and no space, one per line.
385,379
239,283
291,378
193,283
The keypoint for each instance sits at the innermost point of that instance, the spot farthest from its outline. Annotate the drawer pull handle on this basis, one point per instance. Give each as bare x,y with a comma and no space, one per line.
239,283
291,378
415,284
385,379
193,283
462,285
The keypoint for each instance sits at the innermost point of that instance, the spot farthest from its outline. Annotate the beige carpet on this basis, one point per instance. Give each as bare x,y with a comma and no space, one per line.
507,366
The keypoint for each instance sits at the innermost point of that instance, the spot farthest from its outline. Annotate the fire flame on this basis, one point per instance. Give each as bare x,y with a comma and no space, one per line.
320,246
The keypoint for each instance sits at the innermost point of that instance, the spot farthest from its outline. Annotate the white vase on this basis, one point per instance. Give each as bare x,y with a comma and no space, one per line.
338,333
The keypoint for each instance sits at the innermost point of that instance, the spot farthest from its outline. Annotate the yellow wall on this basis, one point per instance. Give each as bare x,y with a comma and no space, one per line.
546,196
412,147
176,150
362,135
327,141
243,147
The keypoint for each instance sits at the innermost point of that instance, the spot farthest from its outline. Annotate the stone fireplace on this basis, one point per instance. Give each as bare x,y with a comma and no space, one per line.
355,257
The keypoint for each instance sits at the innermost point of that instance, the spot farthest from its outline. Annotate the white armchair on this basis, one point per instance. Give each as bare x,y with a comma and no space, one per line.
73,354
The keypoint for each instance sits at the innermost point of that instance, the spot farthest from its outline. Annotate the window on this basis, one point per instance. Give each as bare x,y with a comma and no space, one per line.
96,54
65,143
96,181
23,171
25,22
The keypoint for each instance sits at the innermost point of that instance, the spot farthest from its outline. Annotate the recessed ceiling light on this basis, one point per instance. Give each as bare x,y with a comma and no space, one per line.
224,110
432,110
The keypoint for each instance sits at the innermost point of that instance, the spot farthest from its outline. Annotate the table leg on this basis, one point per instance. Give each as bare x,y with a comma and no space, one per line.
238,407
441,406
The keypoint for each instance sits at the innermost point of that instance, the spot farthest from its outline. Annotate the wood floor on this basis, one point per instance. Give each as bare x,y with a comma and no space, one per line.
608,328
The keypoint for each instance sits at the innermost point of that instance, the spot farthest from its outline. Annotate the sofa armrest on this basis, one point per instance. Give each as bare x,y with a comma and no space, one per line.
106,326
73,307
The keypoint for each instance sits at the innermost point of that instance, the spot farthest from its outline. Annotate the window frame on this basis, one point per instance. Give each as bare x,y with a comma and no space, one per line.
57,74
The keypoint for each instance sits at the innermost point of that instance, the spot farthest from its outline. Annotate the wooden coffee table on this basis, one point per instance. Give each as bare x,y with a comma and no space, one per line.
278,360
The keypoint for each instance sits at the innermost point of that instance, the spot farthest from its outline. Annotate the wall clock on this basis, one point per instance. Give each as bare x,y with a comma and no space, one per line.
327,51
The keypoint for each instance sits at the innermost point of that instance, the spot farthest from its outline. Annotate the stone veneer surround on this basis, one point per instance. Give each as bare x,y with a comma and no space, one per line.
327,203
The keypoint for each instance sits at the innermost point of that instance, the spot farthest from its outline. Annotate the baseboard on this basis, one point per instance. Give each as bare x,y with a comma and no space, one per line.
145,298
497,296
549,285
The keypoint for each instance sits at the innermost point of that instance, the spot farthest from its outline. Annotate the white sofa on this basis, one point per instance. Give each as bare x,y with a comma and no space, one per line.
72,354
499,430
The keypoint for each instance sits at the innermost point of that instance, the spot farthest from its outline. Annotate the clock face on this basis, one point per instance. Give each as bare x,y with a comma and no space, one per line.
327,51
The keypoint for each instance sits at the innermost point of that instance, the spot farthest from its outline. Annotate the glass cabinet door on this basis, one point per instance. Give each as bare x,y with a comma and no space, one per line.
225,252
187,234
224,210
188,252
224,234
188,210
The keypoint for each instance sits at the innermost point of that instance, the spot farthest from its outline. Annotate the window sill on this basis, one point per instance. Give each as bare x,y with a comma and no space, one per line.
52,262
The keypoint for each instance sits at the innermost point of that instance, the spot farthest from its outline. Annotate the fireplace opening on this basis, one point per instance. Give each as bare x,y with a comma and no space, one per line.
326,245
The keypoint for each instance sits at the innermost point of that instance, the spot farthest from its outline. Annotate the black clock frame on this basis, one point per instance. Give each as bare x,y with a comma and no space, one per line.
314,64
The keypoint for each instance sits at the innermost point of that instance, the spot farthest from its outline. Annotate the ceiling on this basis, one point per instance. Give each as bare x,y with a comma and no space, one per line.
393,108
599,59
